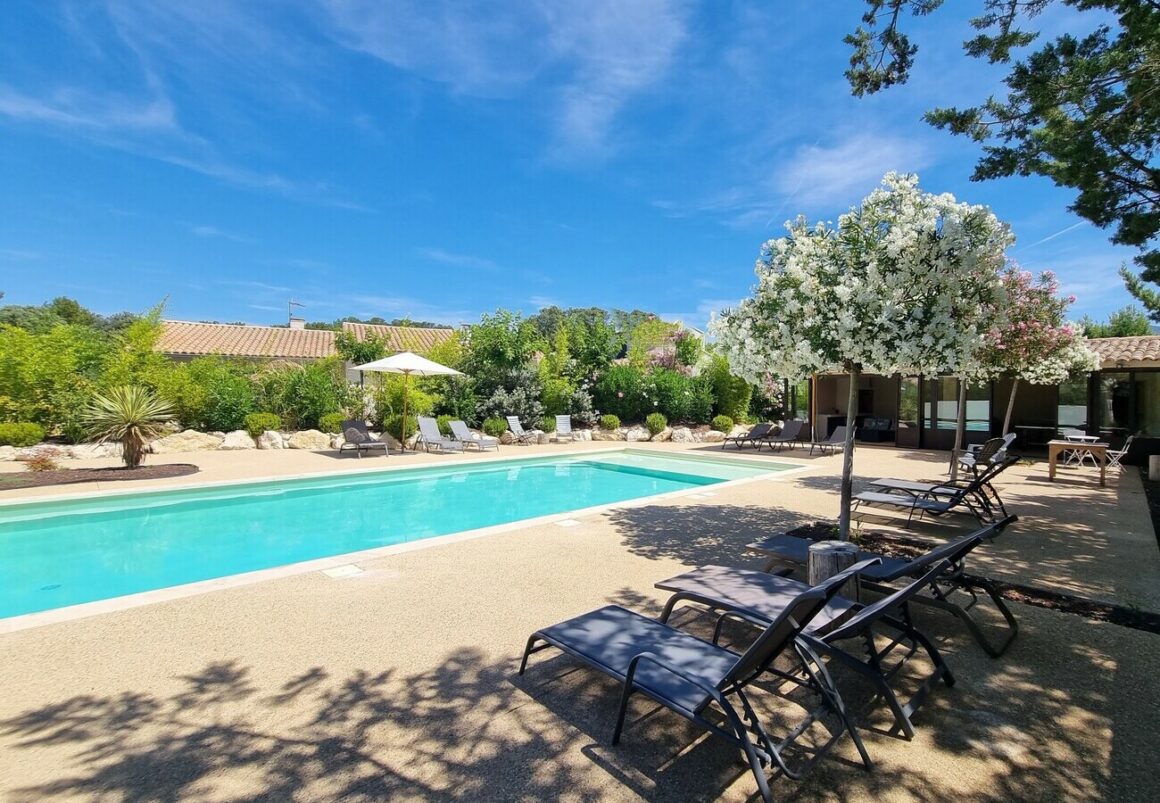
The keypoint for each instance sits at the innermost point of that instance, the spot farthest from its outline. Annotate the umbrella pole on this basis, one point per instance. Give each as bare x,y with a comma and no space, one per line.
403,424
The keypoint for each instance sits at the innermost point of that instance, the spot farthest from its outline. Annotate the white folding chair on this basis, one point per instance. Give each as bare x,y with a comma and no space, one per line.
1116,455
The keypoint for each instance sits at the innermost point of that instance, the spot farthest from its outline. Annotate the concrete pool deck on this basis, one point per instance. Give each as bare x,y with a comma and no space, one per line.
399,683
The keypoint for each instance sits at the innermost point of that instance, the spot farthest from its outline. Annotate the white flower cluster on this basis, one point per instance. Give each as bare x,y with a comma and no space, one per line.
906,283
1074,357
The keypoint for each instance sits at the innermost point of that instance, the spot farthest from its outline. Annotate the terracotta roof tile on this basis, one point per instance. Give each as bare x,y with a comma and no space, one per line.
401,338
239,340
1127,352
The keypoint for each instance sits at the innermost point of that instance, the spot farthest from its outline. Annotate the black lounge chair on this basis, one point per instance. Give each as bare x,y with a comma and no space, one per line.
358,438
976,496
430,436
983,492
518,431
758,598
791,433
788,549
691,676
837,440
753,436
461,433
990,453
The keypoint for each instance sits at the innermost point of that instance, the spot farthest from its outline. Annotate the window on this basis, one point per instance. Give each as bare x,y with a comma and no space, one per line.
979,407
1113,404
1147,386
908,402
1072,408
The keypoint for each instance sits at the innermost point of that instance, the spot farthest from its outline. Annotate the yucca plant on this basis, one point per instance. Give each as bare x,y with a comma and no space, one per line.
130,414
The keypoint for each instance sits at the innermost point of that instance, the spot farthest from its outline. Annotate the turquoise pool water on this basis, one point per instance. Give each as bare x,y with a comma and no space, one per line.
65,552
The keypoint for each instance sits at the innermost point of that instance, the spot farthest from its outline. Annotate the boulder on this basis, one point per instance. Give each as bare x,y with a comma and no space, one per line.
542,437
40,450
336,441
94,451
309,439
270,440
7,452
237,440
189,440
637,434
682,435
583,434
665,434
738,429
507,438
608,434
712,436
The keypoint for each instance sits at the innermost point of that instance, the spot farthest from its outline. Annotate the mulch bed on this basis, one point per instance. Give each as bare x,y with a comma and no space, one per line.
70,476
900,546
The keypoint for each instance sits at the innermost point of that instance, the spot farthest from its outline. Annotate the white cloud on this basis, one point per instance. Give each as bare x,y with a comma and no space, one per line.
591,58
213,232
460,260
839,175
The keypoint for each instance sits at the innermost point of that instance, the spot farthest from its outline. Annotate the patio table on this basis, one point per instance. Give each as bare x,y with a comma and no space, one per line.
1098,451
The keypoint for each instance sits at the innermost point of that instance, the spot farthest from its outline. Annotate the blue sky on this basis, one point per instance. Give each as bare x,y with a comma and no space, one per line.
439,160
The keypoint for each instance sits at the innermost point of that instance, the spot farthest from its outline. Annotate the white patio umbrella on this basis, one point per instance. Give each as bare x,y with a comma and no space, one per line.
407,363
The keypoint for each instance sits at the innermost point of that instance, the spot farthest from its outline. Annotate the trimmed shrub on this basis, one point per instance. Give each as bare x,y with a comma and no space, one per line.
620,391
609,422
656,422
331,423
733,393
257,423
391,425
722,423
681,398
21,434
548,424
444,422
494,426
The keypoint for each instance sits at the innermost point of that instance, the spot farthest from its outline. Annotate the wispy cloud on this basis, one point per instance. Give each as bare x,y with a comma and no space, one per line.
459,260
254,285
839,174
20,255
599,54
214,233
539,302
366,306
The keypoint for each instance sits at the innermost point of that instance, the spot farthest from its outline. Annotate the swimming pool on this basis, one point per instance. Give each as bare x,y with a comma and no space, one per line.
66,552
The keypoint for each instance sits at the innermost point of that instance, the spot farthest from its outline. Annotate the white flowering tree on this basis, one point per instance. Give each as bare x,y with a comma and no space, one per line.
1035,344
906,283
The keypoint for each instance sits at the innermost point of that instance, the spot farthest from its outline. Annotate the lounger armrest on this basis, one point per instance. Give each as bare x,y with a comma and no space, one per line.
744,616
653,658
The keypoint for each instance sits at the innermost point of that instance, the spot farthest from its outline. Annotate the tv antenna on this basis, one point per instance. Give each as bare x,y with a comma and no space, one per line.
290,305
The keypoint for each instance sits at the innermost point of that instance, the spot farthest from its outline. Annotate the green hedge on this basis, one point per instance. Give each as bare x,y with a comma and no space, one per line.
494,427
722,423
331,423
257,423
656,423
21,434
609,422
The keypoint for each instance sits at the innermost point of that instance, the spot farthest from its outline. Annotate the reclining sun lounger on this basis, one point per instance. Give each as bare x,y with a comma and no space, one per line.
753,436
980,487
758,598
564,427
791,433
883,578
429,435
988,454
976,496
837,440
356,437
461,433
518,431
695,679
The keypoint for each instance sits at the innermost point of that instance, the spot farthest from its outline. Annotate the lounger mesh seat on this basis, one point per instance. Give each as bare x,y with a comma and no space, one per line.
465,436
357,438
518,431
430,436
564,428
791,433
941,592
754,436
703,682
758,598
976,496
837,440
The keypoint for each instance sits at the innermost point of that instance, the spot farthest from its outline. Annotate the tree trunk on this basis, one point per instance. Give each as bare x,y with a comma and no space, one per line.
848,456
1010,407
960,430
827,558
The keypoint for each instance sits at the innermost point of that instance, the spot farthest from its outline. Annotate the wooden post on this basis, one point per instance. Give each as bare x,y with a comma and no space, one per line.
827,558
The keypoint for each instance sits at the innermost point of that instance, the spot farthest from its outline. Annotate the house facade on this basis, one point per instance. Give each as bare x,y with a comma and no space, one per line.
1121,398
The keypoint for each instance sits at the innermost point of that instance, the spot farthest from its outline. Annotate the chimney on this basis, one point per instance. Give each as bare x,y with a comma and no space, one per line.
297,323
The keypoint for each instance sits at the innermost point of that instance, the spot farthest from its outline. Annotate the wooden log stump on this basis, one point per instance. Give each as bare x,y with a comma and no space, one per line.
827,558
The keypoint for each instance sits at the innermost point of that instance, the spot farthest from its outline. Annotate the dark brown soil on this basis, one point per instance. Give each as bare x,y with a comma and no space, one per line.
69,476
899,546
